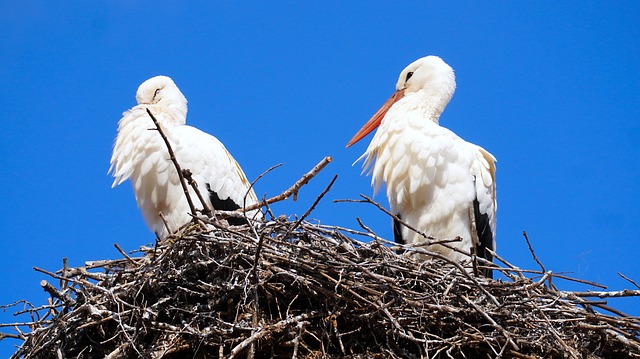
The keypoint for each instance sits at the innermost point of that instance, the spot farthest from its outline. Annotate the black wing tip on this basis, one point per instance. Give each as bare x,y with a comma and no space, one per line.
485,236
226,205
397,232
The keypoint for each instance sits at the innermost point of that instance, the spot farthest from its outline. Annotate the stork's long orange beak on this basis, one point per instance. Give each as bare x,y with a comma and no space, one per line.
376,118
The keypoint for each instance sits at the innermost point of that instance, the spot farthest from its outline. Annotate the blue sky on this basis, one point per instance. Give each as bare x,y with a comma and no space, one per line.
551,89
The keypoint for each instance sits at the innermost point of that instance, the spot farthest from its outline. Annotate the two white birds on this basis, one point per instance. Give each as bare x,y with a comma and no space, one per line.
436,182
140,154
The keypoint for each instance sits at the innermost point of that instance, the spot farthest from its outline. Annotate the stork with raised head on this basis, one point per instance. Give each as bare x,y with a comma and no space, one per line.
140,154
436,182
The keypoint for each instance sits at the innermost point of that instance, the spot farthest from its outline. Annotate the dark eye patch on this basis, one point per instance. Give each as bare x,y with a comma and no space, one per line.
156,93
409,74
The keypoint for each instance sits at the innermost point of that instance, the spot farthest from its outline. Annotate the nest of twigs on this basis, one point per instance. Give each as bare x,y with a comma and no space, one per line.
293,289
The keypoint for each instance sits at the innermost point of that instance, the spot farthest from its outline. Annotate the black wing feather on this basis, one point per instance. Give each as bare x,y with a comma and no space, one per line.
225,205
485,236
397,232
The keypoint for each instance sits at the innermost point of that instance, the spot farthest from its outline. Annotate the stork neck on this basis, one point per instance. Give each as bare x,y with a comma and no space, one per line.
429,102
174,114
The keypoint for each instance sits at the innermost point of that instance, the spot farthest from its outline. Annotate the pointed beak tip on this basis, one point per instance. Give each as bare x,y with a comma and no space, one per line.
376,119
355,139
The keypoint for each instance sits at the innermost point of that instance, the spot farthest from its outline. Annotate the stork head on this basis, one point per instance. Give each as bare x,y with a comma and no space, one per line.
430,75
162,91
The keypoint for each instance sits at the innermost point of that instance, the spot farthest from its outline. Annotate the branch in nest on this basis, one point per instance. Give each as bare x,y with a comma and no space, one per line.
608,294
189,177
629,280
172,155
429,240
56,293
269,330
293,190
533,254
315,203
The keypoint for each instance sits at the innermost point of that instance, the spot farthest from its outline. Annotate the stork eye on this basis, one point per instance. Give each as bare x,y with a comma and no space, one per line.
156,93
409,74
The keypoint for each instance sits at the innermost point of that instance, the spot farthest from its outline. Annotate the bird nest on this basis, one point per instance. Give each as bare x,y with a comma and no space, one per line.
295,289
290,288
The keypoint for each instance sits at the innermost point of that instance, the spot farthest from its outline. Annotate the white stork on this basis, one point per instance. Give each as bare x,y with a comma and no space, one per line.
140,154
436,182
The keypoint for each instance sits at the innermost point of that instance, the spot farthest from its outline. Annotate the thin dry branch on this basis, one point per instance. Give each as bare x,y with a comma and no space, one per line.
172,156
609,294
188,176
244,198
429,240
533,254
629,280
315,203
293,190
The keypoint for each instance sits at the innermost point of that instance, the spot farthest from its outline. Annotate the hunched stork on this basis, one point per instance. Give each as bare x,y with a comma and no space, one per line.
140,154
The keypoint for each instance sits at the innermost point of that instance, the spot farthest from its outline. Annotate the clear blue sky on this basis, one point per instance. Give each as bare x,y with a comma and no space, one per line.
551,89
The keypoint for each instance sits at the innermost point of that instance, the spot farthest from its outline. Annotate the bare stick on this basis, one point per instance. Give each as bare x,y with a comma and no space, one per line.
593,284
380,207
296,341
7,335
65,269
244,199
175,163
20,324
254,272
293,190
118,352
189,177
56,293
123,253
315,203
429,239
629,279
164,221
271,329
613,294
524,233
375,236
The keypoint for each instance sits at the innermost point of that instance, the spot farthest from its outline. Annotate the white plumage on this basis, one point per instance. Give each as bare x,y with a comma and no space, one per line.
141,155
436,181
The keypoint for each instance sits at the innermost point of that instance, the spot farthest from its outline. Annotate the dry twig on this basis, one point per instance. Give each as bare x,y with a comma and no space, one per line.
172,155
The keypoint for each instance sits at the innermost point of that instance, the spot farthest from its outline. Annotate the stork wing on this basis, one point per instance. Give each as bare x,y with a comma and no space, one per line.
485,205
215,171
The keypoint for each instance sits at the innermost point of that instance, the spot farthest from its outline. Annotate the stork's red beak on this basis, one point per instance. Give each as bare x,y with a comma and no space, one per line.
376,118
